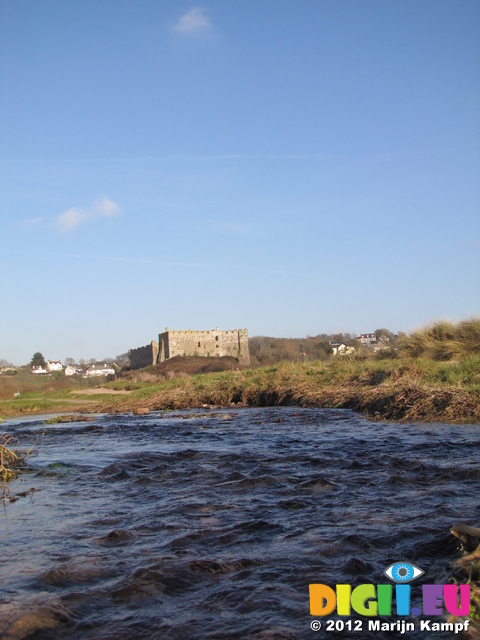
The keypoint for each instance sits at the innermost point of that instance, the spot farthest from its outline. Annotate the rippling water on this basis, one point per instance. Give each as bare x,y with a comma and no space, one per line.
213,525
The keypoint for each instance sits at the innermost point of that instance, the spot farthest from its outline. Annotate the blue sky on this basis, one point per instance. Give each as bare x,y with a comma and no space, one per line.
294,168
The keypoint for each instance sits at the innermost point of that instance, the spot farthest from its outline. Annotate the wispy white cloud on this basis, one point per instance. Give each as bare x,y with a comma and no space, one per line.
72,218
193,22
32,222
105,208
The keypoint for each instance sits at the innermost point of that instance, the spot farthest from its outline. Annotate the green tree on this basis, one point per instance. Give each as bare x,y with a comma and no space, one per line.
38,360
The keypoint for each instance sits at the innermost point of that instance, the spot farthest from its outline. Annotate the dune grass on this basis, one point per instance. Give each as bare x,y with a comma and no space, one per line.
444,340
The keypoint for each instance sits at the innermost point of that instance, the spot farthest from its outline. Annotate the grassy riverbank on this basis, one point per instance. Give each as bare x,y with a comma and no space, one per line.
381,387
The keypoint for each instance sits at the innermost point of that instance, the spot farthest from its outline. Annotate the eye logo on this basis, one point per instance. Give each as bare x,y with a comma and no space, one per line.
403,572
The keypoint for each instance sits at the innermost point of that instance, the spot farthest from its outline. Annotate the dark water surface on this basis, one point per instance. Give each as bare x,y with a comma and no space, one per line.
213,526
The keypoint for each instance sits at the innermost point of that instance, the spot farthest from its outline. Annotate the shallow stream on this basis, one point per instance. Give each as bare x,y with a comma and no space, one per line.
212,525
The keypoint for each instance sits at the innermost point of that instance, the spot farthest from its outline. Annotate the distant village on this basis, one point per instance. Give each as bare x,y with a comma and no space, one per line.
94,370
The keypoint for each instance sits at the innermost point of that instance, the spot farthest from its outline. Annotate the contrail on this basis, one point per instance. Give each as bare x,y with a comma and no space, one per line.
181,157
190,265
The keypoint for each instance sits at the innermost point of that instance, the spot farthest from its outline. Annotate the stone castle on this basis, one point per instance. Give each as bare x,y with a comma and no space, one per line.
192,343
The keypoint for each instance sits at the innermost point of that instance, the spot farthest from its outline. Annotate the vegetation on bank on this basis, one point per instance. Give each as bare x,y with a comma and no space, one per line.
382,388
408,382
12,461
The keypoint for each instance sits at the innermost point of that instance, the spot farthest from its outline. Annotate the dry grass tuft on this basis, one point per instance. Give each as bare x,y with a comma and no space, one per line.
444,340
8,458
11,460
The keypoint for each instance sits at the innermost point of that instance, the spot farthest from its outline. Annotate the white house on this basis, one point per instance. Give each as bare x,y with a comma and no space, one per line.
337,347
100,369
54,365
71,371
39,370
368,338
341,348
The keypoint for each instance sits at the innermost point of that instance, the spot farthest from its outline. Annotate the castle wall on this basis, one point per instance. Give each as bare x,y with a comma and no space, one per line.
192,343
143,356
205,343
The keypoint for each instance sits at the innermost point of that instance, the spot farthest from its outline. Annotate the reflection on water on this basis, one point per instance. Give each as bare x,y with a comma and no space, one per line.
213,525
